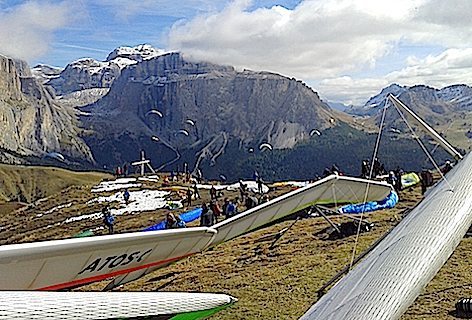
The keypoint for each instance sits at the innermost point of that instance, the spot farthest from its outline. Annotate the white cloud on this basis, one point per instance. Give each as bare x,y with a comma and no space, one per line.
323,41
452,66
314,40
350,91
27,29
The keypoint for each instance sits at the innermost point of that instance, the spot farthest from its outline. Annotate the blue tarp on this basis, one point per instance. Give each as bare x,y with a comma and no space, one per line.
386,203
187,217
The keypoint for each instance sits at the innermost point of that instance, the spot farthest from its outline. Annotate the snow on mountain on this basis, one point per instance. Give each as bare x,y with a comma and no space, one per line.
123,62
136,54
44,73
92,65
377,102
88,73
459,94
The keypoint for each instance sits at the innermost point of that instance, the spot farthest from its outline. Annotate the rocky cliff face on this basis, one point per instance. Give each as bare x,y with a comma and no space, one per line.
85,74
44,73
89,73
10,84
32,123
425,100
448,110
159,96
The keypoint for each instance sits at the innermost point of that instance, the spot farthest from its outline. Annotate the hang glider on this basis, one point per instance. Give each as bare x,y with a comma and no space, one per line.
387,281
110,305
330,190
333,189
59,264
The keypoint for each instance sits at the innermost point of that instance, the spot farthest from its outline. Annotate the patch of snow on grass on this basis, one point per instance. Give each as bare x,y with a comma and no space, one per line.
250,186
121,183
67,205
142,200
149,178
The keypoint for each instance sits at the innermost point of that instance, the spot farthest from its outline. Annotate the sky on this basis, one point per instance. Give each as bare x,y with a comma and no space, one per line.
346,50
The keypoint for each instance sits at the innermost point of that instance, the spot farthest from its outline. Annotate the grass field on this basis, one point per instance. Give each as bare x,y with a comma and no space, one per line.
29,183
270,283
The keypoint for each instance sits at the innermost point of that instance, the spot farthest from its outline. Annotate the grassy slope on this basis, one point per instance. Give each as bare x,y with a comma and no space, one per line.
28,183
278,283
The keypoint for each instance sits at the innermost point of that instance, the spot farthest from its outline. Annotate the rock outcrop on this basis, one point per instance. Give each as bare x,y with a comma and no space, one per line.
89,73
251,107
32,123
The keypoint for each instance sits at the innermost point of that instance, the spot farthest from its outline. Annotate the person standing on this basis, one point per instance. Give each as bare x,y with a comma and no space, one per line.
365,169
189,197
242,190
392,179
213,195
108,219
225,207
195,191
126,196
215,208
259,185
207,217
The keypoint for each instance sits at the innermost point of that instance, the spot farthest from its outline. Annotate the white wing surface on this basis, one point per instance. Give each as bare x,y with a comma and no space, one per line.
106,305
58,264
330,190
391,276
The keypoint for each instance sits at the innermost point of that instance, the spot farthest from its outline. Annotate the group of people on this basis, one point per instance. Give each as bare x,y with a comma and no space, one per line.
334,170
213,212
394,177
185,175
378,168
121,171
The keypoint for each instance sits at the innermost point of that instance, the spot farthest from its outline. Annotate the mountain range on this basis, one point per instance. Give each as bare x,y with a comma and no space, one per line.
103,113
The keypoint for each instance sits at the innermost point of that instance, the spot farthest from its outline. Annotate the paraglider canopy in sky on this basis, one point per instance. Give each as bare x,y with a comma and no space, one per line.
190,122
154,111
265,146
182,131
314,131
55,155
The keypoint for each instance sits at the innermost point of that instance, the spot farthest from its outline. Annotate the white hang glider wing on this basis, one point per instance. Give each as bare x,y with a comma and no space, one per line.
388,280
109,305
385,283
330,190
59,264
